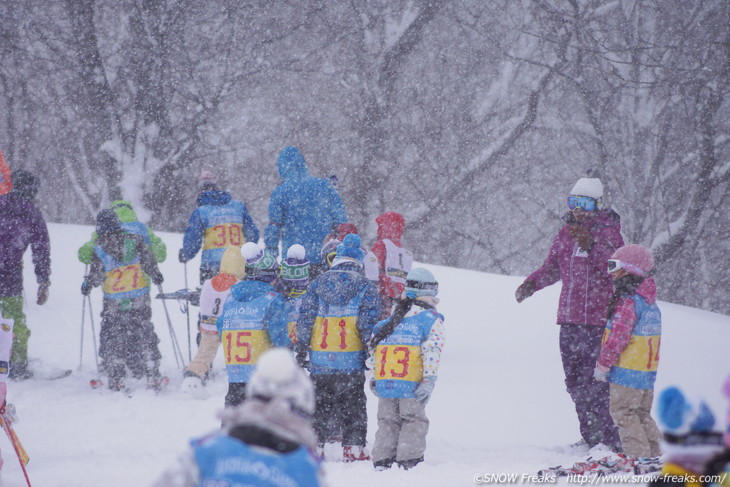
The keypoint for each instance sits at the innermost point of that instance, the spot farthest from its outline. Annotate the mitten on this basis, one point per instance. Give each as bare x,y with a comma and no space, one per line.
582,236
600,373
425,388
181,256
525,290
86,288
43,292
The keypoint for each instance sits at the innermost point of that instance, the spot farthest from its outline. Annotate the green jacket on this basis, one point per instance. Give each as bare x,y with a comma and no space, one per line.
131,224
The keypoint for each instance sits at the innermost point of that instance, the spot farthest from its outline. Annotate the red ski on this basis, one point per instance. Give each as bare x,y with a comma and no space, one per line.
23,458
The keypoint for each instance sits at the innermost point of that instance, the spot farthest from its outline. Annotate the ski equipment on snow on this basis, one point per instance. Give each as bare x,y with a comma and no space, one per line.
175,345
601,467
6,415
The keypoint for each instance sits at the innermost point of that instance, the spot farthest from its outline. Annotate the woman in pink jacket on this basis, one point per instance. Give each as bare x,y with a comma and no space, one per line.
578,257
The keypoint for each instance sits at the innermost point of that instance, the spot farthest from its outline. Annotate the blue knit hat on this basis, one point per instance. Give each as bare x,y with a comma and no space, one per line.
680,416
350,247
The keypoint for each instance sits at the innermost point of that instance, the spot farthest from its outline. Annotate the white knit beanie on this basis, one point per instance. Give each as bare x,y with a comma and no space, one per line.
591,187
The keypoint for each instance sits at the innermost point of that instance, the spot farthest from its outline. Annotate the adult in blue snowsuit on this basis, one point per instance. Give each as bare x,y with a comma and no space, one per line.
218,222
337,316
302,210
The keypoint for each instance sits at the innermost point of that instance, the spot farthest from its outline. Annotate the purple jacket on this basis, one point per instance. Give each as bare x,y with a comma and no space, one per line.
21,224
587,285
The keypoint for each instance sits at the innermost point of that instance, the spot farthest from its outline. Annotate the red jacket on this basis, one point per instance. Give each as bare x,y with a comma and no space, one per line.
6,183
390,226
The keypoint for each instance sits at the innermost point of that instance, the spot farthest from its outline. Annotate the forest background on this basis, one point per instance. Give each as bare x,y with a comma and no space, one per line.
472,118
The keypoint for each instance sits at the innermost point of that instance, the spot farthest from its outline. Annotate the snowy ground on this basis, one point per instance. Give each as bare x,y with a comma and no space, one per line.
499,406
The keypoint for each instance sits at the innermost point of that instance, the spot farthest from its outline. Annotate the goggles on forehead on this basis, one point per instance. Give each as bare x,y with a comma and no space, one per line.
615,265
585,203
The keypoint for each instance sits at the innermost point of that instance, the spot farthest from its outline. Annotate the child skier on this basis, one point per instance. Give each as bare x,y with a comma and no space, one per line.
218,222
213,297
691,442
337,315
394,261
122,263
406,351
252,321
268,440
629,355
292,284
130,224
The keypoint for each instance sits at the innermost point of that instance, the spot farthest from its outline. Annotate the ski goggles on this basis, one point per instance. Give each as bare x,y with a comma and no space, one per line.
585,203
615,265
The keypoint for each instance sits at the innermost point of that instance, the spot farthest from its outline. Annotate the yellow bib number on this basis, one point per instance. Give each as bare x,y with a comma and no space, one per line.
641,354
398,362
125,278
244,347
223,235
336,335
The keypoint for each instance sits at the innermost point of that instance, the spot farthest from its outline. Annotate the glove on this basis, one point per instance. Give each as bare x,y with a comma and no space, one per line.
372,387
181,257
600,373
86,288
43,293
425,388
301,358
582,236
525,290
157,279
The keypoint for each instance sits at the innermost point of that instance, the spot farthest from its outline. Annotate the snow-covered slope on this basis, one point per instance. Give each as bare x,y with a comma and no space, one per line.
499,405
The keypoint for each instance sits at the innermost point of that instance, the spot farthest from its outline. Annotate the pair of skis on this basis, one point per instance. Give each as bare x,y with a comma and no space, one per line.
597,468
6,422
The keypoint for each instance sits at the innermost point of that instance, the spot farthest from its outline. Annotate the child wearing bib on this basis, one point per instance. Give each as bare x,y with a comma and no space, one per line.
629,354
122,263
406,351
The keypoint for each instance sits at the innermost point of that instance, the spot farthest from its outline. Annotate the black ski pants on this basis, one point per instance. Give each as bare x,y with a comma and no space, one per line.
340,407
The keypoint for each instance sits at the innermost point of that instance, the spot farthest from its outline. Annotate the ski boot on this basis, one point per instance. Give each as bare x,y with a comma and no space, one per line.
409,464
385,464
352,453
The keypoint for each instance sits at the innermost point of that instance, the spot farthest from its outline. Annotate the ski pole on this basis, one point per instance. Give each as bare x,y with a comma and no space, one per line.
83,318
187,316
81,347
93,334
175,346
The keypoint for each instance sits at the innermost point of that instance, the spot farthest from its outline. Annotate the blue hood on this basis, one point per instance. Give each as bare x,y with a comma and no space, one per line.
291,164
246,291
214,197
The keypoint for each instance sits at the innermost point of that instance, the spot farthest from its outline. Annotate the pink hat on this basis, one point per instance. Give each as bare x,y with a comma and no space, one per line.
635,259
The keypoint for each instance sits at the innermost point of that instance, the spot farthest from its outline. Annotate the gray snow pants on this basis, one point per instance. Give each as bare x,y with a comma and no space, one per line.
402,429
631,411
